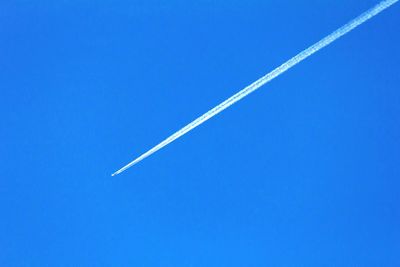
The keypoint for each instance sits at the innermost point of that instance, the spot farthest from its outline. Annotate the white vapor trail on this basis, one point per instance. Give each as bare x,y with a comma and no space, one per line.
268,77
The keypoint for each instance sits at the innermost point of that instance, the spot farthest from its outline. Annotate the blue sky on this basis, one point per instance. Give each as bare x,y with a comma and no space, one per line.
304,172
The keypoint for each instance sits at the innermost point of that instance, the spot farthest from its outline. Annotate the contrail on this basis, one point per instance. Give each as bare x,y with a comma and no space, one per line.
268,77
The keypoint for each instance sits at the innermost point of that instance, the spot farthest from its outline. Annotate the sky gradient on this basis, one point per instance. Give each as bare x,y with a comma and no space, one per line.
304,172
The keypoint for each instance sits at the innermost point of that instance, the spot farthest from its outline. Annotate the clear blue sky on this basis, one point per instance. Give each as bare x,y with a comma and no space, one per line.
304,172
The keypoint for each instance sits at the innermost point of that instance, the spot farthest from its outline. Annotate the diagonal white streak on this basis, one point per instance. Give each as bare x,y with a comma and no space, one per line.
268,77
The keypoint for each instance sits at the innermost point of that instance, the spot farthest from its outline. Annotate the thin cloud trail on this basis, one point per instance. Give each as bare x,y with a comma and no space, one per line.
268,77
